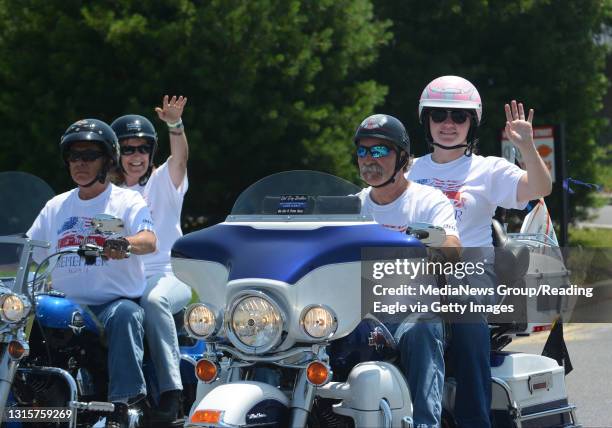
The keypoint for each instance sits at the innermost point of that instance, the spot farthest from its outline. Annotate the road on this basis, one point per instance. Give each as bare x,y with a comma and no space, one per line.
589,385
602,217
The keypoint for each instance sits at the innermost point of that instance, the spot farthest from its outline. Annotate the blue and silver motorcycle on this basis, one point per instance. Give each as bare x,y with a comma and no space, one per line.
288,342
53,351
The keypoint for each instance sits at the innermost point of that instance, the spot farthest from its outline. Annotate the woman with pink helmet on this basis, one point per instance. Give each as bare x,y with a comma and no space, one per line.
450,110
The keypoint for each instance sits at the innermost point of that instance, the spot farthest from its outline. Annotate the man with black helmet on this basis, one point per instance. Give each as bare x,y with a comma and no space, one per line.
163,188
383,156
108,287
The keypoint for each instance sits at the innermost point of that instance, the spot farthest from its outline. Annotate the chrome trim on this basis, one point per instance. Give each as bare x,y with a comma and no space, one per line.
513,408
407,422
301,401
569,408
328,309
384,407
233,337
73,404
268,358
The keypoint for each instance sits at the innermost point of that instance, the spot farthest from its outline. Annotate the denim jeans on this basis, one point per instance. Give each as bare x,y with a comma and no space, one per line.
421,347
122,320
164,295
469,354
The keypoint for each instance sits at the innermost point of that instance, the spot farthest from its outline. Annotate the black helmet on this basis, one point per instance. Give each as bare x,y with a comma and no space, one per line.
386,127
93,130
98,132
136,126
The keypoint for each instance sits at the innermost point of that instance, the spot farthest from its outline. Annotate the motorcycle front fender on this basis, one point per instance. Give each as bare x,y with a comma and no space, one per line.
243,404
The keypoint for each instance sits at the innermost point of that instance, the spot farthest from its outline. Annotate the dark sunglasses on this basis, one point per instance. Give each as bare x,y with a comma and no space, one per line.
130,150
375,151
84,155
457,116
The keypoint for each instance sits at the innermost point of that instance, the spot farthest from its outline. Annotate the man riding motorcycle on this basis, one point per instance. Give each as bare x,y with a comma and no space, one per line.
111,285
383,155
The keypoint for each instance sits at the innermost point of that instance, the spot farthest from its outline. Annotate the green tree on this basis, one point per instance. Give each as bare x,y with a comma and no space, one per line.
272,84
544,53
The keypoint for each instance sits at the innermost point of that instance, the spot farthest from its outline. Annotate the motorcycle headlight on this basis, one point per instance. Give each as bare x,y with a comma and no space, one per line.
255,323
13,308
200,320
319,321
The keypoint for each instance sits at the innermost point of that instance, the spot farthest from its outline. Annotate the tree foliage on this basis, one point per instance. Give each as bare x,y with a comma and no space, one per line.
544,53
272,84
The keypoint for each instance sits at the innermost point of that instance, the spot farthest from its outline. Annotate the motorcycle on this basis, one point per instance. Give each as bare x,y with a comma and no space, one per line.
282,320
64,363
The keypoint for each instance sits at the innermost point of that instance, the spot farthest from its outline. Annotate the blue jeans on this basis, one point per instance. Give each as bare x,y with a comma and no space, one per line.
122,320
469,354
422,361
163,296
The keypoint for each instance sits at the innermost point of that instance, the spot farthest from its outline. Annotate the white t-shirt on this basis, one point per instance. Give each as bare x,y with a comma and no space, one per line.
66,220
165,202
476,186
417,204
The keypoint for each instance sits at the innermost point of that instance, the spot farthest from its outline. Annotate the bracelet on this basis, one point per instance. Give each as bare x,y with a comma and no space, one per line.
173,131
174,125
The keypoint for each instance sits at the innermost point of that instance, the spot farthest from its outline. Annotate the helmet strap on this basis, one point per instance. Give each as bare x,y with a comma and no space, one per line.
100,176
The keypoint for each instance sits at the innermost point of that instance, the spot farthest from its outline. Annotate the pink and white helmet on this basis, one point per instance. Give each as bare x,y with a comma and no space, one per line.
452,92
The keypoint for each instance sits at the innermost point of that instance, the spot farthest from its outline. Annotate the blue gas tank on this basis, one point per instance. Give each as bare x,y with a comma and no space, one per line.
54,310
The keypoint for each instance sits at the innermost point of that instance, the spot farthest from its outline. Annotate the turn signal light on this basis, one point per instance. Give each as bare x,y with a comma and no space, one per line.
207,416
16,350
318,373
206,371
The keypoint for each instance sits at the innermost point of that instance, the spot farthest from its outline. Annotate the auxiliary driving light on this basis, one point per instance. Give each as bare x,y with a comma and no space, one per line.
200,321
319,321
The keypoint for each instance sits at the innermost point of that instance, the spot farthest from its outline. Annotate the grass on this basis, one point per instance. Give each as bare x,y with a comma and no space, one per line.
588,237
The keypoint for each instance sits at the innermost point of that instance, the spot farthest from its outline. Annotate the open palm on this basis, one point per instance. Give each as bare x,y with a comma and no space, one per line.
518,130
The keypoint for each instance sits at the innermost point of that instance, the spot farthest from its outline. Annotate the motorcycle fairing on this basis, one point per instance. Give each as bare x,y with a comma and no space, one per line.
245,251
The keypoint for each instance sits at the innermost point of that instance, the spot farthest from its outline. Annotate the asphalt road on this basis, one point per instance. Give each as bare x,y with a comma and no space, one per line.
601,217
589,385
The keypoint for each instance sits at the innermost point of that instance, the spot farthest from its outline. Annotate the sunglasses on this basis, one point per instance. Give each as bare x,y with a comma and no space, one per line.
130,150
376,152
457,116
84,155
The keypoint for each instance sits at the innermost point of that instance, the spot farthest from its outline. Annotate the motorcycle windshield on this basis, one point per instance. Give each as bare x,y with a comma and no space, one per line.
298,196
22,196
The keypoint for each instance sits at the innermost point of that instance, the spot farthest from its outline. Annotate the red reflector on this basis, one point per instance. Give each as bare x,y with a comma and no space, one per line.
539,328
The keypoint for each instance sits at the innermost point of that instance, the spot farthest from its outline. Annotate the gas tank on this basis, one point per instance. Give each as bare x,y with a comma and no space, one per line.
53,310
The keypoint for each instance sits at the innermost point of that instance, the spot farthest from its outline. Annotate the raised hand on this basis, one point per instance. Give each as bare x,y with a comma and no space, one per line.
172,108
519,130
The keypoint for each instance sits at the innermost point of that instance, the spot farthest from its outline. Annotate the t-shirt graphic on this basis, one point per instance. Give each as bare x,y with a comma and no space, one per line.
75,230
452,190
